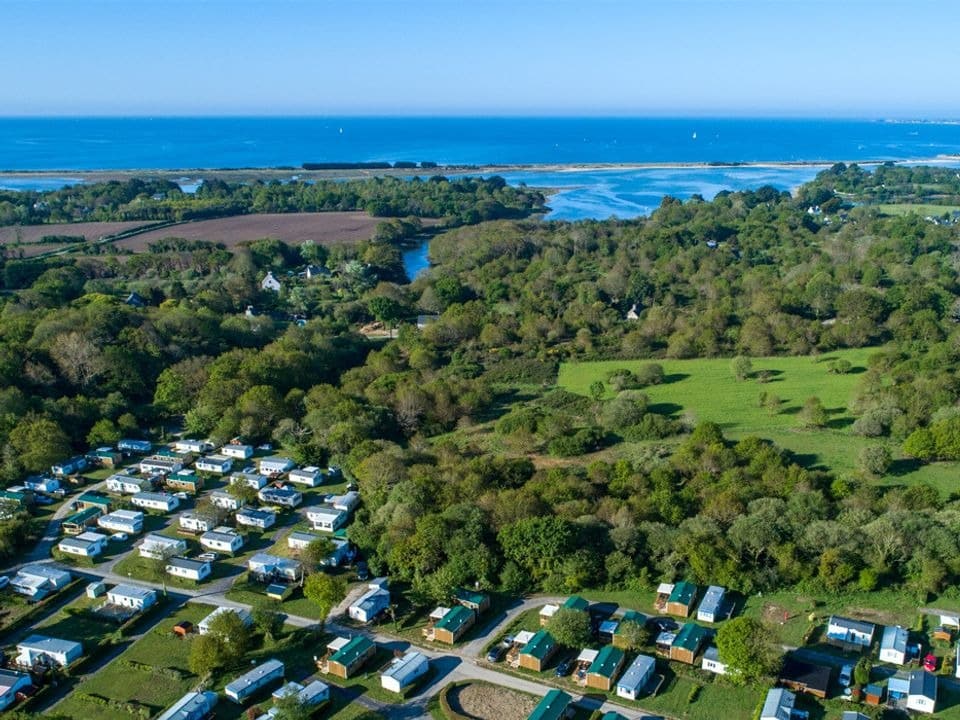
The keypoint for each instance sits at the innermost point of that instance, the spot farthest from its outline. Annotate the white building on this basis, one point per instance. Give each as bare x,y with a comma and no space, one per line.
636,677
70,467
10,684
923,691
285,497
127,484
404,671
254,480
314,694
38,581
162,502
275,465
346,502
196,522
273,566
371,603
87,544
711,661
125,521
326,518
204,627
778,705
270,283
132,596
711,607
222,539
42,484
309,476
238,452
893,645
192,706
218,464
159,547
249,684
197,447
188,569
850,632
223,499
138,446
162,464
252,517
39,649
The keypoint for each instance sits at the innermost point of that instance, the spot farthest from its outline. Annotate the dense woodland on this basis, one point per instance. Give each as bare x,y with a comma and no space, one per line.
750,273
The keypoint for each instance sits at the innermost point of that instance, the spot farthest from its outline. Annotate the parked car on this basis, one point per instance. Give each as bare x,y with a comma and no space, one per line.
363,572
208,556
181,495
930,662
663,624
496,653
846,675
119,537
563,669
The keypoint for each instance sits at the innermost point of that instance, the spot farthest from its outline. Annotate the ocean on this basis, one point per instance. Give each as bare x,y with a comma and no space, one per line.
75,144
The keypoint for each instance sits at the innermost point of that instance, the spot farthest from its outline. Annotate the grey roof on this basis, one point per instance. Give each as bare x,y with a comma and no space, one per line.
52,646
218,536
186,563
857,626
712,600
923,683
638,673
192,706
894,637
711,653
778,704
405,667
46,571
255,676
134,591
255,514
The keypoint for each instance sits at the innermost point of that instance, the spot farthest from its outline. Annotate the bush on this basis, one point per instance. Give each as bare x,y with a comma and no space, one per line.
651,427
581,442
651,374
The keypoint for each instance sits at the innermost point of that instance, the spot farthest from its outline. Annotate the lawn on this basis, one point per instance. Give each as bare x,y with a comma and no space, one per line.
922,209
153,672
75,622
706,390
250,593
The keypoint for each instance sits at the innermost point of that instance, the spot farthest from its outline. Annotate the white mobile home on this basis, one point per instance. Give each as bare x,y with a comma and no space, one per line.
254,480
711,661
346,502
247,685
272,566
38,581
251,517
275,465
128,484
86,544
285,497
238,452
636,677
404,671
326,518
371,604
130,445
42,650
192,446
162,464
192,706
314,694
218,464
893,645
196,522
923,691
161,502
70,467
126,521
309,476
711,607
132,596
159,547
222,539
223,499
778,705
187,569
204,626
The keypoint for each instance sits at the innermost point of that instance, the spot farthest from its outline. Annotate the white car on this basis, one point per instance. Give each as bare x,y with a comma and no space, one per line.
181,496
119,537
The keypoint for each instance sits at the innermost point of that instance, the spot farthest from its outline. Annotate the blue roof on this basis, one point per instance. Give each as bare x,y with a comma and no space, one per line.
638,673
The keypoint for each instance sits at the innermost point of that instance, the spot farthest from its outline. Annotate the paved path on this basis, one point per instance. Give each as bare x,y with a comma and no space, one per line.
51,533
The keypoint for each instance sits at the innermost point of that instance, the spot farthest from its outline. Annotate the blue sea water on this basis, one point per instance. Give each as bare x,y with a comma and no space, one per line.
75,144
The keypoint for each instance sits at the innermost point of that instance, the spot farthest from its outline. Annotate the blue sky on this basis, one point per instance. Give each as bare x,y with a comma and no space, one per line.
853,58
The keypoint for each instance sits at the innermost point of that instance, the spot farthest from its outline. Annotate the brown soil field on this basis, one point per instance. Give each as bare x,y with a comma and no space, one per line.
327,227
489,702
91,231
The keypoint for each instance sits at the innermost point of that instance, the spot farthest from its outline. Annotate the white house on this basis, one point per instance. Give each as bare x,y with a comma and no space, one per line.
238,452
192,706
272,566
38,581
299,540
923,691
252,517
309,476
346,502
87,544
711,607
850,632
222,539
218,464
778,705
247,685
285,497
163,502
275,465
196,522
195,570
132,596
138,446
371,603
197,447
326,518
316,693
128,484
163,464
270,283
42,484
10,684
39,649
893,645
204,627
405,671
70,467
159,547
636,677
711,661
223,499
125,521
254,480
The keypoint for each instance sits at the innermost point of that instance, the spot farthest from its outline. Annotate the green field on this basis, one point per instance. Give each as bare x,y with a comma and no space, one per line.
921,209
706,390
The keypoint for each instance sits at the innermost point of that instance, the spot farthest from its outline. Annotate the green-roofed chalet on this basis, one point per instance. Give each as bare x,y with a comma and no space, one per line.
688,642
607,661
554,706
536,653
476,601
612,716
353,651
682,598
455,623
93,500
575,602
